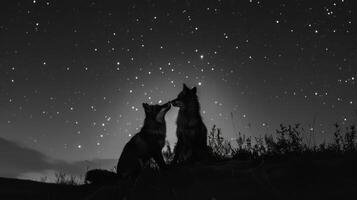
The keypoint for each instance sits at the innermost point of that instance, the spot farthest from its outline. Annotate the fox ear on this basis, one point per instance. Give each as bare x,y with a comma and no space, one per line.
146,107
194,90
185,87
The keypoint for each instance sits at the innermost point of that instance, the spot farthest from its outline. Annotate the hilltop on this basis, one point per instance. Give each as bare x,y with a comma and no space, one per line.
295,178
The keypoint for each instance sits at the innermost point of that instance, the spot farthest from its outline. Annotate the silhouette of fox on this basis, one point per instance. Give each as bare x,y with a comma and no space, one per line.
146,144
191,132
101,177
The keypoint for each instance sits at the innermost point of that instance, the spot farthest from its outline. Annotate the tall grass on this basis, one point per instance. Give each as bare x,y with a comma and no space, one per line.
66,179
288,140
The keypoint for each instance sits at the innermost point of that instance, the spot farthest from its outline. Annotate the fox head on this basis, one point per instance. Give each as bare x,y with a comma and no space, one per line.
156,112
185,97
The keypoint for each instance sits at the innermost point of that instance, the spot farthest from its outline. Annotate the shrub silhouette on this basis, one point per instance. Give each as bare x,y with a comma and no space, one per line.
219,147
66,179
287,141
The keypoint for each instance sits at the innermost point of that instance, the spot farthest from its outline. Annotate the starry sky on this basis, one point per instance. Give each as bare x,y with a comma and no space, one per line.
74,74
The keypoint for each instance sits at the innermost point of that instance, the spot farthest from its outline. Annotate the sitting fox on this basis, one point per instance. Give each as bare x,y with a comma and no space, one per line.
191,131
146,144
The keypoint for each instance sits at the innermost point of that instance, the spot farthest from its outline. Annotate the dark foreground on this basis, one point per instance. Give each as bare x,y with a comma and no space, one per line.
289,179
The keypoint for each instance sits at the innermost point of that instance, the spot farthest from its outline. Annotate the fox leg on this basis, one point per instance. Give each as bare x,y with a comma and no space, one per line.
199,154
159,159
187,155
177,152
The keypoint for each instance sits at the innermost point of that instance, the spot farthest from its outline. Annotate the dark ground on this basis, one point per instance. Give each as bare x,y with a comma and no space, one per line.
288,179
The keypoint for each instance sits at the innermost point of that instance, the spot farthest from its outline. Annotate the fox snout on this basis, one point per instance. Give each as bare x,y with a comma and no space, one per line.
167,105
173,102
177,103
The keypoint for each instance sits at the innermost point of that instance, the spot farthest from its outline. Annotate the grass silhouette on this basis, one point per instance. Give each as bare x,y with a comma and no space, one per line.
287,142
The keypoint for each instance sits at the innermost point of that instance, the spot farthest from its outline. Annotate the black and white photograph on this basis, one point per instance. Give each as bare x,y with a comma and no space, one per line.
178,99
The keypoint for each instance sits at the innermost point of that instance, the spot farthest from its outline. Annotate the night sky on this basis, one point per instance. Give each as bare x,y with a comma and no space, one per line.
74,74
